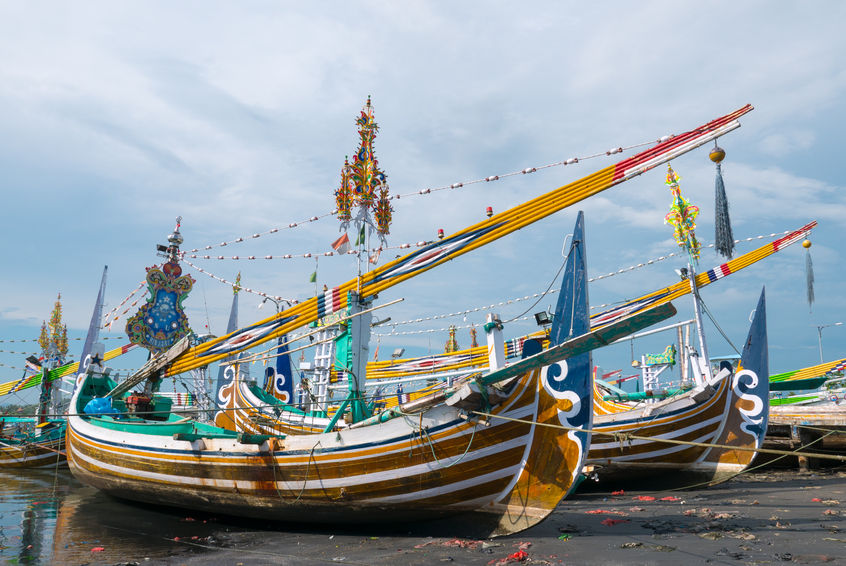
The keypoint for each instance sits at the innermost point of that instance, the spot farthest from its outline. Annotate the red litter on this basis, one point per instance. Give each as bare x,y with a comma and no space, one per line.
618,492
643,498
612,522
98,549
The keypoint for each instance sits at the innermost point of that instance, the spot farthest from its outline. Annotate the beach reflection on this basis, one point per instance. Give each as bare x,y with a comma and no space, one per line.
47,517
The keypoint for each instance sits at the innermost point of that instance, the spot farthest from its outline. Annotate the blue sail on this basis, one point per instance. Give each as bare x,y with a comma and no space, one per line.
571,317
572,379
88,354
279,381
231,327
752,381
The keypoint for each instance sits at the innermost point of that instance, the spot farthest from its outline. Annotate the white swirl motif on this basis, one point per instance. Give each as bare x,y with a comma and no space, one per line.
226,391
279,384
751,425
564,416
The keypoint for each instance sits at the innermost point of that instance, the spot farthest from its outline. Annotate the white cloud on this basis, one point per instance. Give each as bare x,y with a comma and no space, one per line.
120,116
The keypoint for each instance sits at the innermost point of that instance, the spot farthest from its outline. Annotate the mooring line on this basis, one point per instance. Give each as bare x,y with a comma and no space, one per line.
628,436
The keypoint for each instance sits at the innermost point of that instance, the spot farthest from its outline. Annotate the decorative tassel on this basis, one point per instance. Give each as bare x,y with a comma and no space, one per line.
723,236
809,271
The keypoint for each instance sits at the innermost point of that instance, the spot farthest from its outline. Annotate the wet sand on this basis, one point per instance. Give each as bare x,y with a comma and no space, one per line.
773,517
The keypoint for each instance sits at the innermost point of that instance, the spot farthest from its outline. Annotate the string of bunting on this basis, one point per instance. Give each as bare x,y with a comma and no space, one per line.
77,338
428,330
552,291
420,244
123,302
130,370
126,310
427,191
233,284
371,251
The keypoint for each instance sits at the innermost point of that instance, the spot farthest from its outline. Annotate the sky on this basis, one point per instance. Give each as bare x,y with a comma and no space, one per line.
119,117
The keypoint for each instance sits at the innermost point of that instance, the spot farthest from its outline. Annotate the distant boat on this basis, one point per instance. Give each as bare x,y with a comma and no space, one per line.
706,433
727,411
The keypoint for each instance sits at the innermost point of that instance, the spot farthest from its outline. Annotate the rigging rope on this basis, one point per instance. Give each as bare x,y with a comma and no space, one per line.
421,192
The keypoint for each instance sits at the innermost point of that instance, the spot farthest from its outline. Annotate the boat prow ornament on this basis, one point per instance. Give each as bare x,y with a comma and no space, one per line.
161,322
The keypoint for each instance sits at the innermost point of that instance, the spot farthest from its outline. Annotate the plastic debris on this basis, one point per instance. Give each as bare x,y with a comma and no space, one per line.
618,492
631,545
643,498
612,522
98,549
459,543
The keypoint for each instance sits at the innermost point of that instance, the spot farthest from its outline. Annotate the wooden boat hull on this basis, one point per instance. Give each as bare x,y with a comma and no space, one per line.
731,413
696,416
33,454
407,468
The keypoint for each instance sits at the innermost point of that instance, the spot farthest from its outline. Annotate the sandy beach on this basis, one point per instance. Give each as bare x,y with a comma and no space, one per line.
772,517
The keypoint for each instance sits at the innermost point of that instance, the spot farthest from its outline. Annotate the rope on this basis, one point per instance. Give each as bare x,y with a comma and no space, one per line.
716,324
542,295
451,186
233,284
747,470
618,435
552,291
432,446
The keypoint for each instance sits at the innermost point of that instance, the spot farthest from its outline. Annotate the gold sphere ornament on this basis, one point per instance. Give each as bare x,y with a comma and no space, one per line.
717,154
806,244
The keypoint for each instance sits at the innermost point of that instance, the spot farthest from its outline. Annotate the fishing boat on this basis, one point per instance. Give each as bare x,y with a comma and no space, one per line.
508,444
705,432
808,408
40,441
246,407
31,444
476,446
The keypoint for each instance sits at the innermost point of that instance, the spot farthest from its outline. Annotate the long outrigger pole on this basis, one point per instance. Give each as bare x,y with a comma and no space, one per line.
470,238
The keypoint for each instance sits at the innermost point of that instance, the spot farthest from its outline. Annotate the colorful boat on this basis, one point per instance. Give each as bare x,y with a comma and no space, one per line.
32,445
39,442
706,432
249,408
42,442
814,414
720,423
480,445
435,457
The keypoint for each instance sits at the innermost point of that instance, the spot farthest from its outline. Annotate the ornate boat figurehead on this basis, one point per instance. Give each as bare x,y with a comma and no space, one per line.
162,321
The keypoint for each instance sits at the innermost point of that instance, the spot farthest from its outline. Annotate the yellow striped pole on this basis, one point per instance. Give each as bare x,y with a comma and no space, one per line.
475,236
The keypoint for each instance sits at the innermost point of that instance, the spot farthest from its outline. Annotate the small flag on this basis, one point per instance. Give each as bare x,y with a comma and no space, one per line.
360,239
33,364
313,277
374,258
342,244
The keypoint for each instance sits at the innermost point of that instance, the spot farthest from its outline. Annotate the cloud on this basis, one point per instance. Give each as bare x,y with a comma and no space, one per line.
119,117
